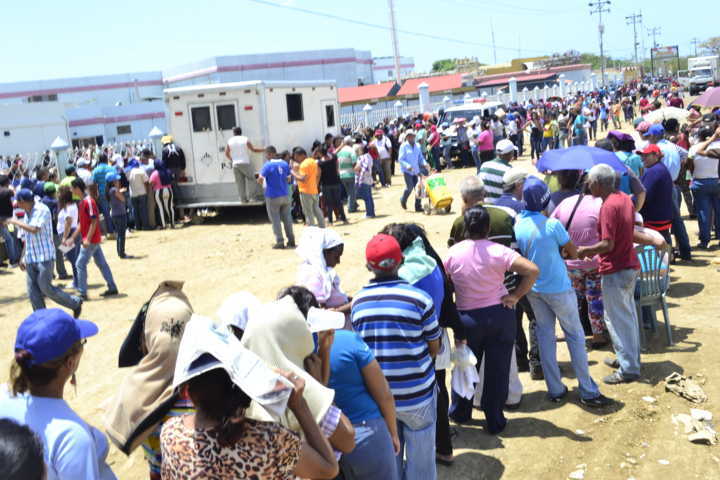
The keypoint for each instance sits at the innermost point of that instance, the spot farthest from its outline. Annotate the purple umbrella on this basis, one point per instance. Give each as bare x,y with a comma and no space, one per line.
711,98
579,157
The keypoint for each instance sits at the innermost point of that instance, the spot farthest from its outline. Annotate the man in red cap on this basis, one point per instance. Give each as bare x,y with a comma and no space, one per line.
399,324
657,210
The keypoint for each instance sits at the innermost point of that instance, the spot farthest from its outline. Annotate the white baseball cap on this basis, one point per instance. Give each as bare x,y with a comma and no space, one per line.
505,146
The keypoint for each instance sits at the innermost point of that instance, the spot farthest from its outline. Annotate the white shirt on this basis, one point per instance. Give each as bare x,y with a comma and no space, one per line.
383,147
137,180
73,449
71,211
705,167
239,151
85,175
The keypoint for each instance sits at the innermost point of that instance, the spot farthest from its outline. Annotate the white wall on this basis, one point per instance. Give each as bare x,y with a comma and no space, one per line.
31,127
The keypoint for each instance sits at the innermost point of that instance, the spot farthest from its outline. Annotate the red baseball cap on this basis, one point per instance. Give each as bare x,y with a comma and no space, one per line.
651,148
383,252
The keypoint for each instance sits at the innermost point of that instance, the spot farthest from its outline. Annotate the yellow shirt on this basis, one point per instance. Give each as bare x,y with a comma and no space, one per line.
310,169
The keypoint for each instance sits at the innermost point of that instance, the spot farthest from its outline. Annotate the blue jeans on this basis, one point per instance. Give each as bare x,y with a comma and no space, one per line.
563,306
364,193
373,455
491,333
95,252
547,144
416,429
410,183
678,226
349,184
104,206
140,212
10,244
39,286
72,255
620,316
378,170
706,192
120,223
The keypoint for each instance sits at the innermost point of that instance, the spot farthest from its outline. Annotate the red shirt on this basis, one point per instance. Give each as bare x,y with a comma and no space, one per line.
87,212
617,222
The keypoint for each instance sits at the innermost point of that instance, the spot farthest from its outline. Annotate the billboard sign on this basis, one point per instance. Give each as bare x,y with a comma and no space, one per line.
665,53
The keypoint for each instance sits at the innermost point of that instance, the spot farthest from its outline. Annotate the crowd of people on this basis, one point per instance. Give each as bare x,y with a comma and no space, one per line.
320,383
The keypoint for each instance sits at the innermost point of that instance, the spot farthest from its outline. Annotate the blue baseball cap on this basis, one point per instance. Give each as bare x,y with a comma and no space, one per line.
655,129
25,195
535,194
49,333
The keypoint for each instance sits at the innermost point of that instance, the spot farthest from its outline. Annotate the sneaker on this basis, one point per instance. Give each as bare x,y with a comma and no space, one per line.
512,407
616,377
109,292
560,398
77,310
291,244
598,402
403,205
278,246
536,372
612,362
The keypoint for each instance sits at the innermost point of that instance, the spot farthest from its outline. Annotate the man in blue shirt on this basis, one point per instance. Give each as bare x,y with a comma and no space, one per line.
672,160
399,324
412,164
275,176
539,240
38,255
99,174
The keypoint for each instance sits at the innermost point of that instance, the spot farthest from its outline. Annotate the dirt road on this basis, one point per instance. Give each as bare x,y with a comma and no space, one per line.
543,440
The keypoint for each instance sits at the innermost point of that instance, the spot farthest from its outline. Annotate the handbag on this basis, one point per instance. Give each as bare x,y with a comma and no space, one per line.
570,219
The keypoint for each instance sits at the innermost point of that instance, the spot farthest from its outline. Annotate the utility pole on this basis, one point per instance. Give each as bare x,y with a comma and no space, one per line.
492,33
600,7
396,48
695,42
653,32
634,20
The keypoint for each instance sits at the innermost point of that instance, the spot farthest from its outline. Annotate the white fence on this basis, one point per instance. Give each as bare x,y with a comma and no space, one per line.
371,116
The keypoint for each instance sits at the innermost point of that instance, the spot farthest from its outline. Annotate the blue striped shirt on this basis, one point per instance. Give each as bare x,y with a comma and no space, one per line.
397,321
39,247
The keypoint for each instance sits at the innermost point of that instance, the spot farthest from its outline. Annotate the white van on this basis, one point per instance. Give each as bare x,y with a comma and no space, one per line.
282,114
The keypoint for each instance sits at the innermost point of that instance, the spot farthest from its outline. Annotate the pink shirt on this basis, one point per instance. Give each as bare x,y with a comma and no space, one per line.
584,227
477,269
485,140
155,181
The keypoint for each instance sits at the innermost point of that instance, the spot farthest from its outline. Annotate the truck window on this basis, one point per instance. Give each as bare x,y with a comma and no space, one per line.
226,117
201,119
294,107
330,115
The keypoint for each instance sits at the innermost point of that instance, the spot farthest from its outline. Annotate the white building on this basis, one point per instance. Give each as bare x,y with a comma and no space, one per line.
384,68
346,66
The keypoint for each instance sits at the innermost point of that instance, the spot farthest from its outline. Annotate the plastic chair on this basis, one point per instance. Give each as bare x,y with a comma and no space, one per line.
651,288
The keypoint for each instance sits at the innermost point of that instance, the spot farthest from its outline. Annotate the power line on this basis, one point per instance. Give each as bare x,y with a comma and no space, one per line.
634,20
600,7
654,32
695,42
383,27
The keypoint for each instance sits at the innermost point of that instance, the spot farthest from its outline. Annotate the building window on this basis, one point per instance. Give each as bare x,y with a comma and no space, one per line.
226,117
201,119
330,115
124,129
294,107
42,98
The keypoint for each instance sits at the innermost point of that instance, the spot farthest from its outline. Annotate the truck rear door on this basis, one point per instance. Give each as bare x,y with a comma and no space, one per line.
211,127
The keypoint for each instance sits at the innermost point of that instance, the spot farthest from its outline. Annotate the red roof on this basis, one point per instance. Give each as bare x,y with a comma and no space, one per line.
520,78
365,92
438,83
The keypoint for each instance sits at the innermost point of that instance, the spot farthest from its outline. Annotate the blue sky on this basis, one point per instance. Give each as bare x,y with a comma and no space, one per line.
50,39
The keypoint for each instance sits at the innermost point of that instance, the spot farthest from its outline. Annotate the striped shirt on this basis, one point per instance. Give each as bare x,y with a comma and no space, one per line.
397,321
491,174
39,247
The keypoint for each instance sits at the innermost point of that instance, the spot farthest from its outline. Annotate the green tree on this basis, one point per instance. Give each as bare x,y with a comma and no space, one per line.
712,44
444,65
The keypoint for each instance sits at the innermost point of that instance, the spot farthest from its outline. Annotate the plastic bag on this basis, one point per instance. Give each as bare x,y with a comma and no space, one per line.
444,356
462,357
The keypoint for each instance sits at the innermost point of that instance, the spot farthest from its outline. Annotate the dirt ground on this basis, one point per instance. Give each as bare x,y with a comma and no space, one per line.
231,252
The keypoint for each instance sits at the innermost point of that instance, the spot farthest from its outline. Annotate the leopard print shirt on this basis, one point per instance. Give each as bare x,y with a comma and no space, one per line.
267,451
